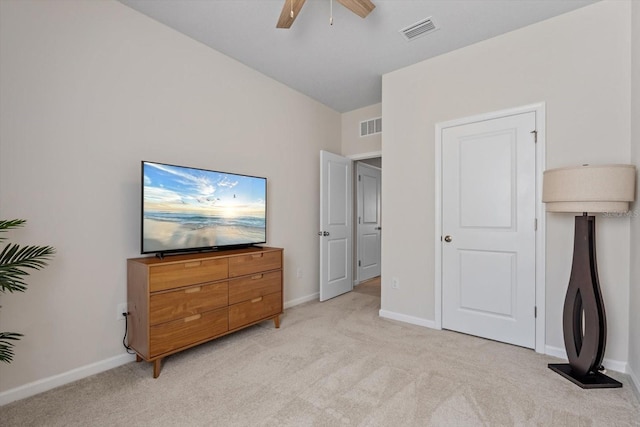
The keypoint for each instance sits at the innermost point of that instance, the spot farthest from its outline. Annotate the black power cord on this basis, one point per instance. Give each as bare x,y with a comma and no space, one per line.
126,331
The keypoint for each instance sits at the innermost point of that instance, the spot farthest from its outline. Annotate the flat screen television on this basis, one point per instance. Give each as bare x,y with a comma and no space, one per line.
188,209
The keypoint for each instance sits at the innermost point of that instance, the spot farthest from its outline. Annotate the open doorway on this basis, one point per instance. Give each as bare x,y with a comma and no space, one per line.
369,287
368,224
350,193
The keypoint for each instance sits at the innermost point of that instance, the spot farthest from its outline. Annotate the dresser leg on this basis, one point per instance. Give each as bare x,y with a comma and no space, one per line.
156,368
138,358
276,321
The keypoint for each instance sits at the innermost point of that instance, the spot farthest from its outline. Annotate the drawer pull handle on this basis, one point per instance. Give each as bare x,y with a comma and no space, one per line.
257,277
193,290
192,318
192,264
256,299
257,255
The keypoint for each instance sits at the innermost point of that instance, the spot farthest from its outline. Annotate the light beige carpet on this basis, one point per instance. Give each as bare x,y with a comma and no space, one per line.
334,364
370,287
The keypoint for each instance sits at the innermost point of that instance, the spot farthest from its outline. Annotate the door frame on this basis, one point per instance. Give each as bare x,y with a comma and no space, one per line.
540,250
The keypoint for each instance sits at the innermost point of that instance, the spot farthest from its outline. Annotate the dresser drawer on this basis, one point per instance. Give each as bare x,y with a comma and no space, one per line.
254,263
175,275
184,332
254,309
251,287
185,302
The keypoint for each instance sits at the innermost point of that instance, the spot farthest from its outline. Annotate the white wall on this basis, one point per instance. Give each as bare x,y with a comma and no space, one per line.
352,143
88,90
579,65
634,300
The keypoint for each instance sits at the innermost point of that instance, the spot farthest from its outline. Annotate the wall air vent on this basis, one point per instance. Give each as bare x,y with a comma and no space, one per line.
418,29
371,126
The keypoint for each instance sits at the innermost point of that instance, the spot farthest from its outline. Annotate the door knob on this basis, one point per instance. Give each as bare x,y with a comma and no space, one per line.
326,233
447,239
378,228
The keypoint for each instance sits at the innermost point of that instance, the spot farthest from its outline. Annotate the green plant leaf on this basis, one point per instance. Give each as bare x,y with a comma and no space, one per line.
14,263
6,346
8,224
14,260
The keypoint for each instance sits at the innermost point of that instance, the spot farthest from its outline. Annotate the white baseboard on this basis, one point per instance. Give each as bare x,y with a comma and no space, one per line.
635,381
614,365
45,384
302,300
408,319
555,352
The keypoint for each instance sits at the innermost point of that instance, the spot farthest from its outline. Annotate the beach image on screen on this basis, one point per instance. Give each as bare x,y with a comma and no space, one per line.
185,208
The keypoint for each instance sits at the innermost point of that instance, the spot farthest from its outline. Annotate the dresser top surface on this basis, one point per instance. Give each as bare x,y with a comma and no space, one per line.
168,259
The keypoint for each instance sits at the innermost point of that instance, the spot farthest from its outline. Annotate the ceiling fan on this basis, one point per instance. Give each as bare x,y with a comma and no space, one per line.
291,9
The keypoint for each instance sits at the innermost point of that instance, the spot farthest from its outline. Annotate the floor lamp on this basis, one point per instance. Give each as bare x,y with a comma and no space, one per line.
608,189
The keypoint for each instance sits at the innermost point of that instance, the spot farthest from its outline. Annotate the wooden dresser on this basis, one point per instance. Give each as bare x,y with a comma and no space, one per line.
185,300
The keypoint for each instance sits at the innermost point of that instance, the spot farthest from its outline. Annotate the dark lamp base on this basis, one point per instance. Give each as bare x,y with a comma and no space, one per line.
591,380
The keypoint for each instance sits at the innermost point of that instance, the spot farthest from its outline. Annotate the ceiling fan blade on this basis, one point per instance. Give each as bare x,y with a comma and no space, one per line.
285,20
360,7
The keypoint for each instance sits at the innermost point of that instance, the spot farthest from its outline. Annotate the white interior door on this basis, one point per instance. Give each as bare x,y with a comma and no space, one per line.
369,221
336,218
488,227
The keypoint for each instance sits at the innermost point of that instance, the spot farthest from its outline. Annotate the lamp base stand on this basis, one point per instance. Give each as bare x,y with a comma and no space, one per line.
590,380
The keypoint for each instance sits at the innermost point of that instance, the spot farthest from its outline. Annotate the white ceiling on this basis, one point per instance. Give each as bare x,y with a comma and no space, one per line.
342,65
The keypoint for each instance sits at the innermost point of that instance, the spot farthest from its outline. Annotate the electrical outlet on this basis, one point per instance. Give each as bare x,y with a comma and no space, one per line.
395,283
299,273
122,308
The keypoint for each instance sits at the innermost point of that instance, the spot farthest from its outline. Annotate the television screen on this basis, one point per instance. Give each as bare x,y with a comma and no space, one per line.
189,209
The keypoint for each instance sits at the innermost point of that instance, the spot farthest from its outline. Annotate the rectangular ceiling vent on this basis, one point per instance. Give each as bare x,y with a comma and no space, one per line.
418,29
371,126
